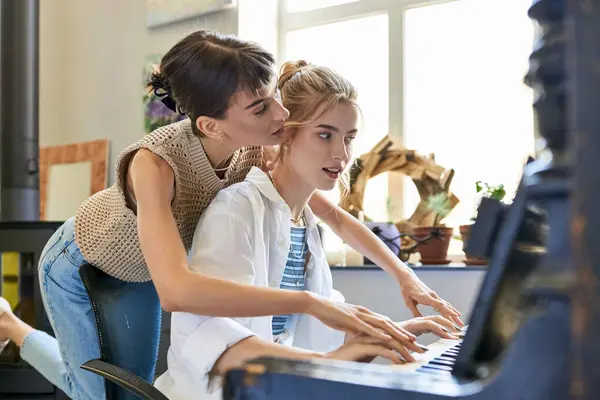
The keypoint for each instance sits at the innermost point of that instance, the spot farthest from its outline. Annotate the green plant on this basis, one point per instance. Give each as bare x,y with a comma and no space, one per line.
440,205
486,190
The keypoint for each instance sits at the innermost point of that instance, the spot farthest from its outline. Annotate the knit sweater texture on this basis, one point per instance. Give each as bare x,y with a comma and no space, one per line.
106,228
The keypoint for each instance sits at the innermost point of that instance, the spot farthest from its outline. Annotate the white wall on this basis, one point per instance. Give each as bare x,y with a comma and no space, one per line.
161,38
374,289
91,59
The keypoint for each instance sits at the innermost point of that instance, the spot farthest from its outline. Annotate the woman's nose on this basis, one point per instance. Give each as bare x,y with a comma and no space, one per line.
340,151
281,113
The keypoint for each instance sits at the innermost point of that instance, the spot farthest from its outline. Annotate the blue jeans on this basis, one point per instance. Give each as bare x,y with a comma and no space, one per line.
70,314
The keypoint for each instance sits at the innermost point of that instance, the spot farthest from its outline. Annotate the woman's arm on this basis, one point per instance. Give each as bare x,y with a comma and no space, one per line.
180,289
359,348
360,238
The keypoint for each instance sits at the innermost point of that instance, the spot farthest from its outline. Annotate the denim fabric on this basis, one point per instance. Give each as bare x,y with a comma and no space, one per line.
70,314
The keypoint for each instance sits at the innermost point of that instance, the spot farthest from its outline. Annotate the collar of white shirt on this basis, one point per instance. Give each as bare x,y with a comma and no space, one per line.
265,186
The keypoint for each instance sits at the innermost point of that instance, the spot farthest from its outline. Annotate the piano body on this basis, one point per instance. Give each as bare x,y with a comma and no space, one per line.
533,332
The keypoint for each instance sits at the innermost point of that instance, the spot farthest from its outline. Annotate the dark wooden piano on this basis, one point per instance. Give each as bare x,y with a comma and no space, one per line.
534,333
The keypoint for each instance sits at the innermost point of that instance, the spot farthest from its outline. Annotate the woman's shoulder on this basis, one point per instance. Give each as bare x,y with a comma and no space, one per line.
241,198
167,133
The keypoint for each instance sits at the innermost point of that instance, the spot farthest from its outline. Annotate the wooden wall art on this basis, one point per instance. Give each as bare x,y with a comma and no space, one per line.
428,177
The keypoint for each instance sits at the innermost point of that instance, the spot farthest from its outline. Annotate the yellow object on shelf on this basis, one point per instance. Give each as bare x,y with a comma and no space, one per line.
9,277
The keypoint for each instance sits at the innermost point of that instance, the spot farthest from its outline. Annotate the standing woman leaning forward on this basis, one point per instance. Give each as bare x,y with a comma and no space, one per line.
141,228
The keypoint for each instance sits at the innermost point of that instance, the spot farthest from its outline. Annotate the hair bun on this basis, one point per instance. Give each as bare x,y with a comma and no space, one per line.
288,70
301,63
157,81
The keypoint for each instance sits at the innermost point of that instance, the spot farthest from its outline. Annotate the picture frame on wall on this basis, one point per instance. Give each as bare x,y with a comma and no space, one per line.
164,12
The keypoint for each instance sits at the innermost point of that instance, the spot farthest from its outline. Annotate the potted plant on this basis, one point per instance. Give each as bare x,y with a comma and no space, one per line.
433,241
486,190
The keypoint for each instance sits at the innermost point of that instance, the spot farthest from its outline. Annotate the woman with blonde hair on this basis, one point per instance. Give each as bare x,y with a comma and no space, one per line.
268,221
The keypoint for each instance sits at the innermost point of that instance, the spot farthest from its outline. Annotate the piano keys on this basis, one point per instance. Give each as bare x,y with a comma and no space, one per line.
439,359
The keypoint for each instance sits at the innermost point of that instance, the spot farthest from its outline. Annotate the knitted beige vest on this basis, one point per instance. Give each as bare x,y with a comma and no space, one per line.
106,229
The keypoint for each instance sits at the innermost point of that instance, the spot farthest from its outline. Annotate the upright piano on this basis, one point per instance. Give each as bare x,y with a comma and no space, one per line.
534,332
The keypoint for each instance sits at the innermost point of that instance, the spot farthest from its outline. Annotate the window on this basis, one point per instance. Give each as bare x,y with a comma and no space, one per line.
444,77
464,97
308,5
360,55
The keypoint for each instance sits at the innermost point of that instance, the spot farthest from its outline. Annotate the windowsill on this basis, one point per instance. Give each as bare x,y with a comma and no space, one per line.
417,267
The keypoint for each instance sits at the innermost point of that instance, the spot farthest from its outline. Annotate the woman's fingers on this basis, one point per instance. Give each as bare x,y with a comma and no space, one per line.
401,338
367,329
446,323
375,350
445,310
458,313
387,349
385,323
438,330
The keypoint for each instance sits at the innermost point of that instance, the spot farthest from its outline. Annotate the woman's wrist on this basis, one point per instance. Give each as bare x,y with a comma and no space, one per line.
309,302
402,272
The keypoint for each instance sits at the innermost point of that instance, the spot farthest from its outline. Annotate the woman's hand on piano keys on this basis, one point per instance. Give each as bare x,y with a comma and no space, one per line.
359,320
415,292
436,324
363,348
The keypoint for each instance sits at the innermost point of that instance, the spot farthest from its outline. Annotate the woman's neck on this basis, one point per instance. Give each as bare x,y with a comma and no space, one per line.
292,188
217,152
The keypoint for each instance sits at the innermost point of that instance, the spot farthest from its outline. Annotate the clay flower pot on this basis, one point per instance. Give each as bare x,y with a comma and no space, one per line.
465,232
436,240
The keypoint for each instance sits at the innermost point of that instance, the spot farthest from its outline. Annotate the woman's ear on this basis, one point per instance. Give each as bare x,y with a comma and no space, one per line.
288,136
209,127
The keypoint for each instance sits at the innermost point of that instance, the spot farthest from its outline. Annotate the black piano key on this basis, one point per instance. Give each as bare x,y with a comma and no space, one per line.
441,362
450,355
451,359
433,371
437,367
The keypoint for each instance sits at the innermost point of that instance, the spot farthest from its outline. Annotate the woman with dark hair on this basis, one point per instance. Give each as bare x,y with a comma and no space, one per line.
141,228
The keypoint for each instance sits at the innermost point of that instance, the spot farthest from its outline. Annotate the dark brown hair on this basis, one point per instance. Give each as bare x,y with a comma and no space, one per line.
199,75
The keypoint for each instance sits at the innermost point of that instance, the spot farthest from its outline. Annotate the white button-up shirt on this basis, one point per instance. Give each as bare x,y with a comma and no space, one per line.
244,236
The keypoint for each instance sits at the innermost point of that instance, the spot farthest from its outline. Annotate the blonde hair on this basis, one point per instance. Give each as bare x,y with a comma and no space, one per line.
309,91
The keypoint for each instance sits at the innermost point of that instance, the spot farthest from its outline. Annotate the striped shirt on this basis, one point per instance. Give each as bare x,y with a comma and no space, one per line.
294,277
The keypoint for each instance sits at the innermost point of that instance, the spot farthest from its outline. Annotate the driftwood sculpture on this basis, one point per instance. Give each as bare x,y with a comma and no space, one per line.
428,177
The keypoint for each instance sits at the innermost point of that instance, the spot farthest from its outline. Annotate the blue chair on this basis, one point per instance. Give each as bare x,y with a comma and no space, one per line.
128,318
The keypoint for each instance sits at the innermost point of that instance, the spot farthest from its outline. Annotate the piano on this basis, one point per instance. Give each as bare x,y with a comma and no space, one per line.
533,332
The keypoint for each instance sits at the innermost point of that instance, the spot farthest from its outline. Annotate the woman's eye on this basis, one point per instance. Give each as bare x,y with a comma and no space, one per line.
350,139
325,135
262,110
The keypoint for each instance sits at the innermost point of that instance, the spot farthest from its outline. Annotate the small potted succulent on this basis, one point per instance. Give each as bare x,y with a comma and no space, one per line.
433,241
483,190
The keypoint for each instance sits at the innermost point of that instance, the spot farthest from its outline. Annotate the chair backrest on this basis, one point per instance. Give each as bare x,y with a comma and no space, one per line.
128,318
